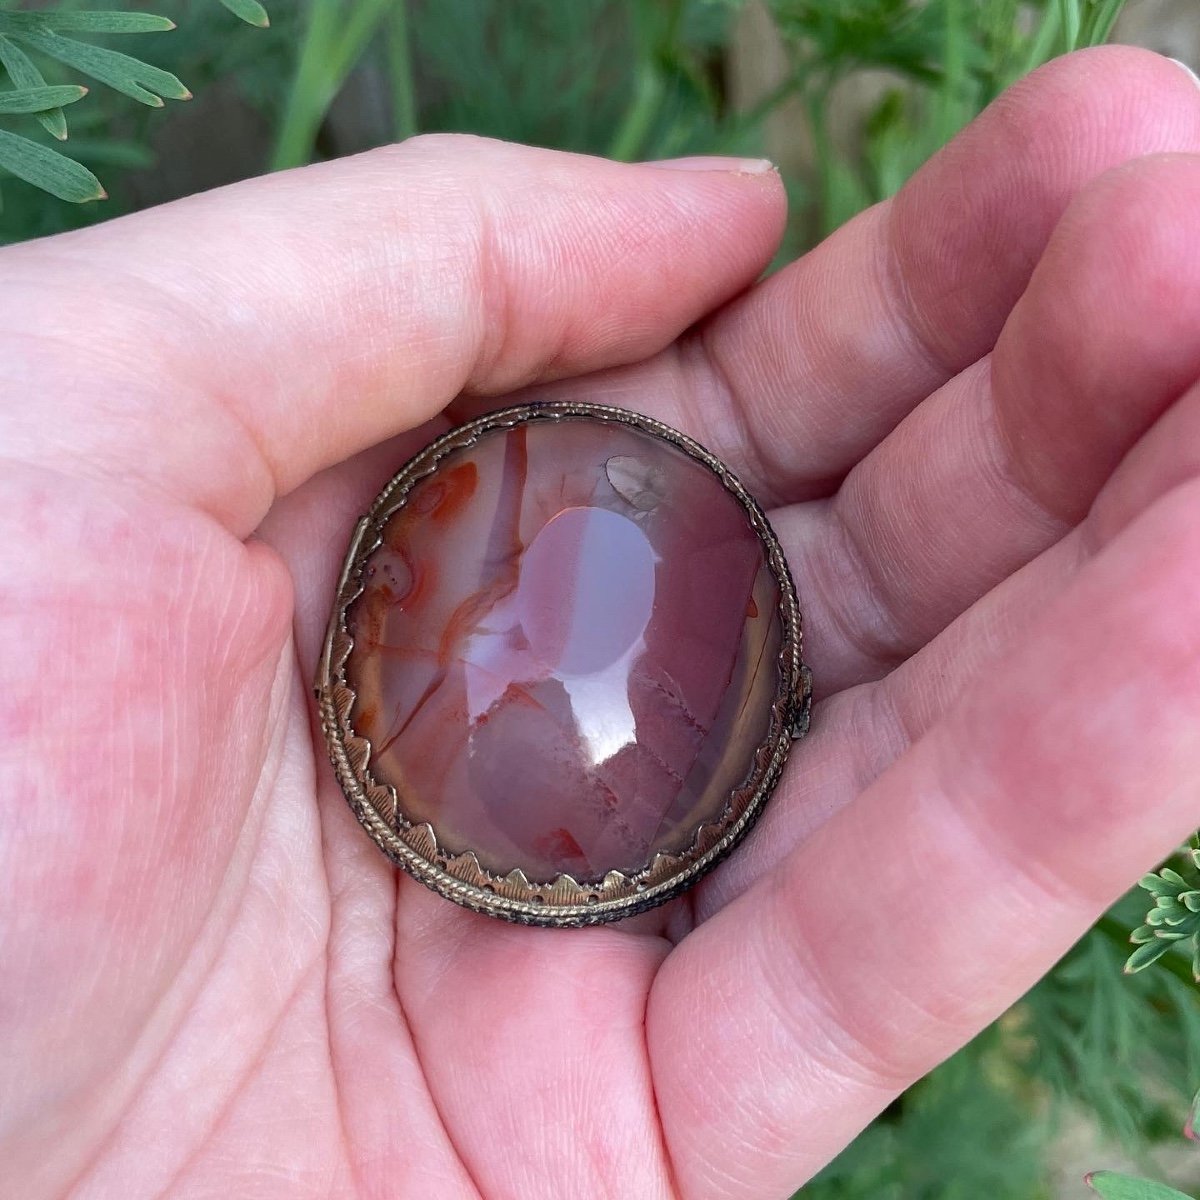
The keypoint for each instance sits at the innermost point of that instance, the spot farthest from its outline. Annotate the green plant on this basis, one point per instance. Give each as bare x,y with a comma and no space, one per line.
53,35
1112,1186
948,59
1174,920
1115,1186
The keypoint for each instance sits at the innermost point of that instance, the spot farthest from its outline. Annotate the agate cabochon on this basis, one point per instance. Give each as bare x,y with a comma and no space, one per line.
563,671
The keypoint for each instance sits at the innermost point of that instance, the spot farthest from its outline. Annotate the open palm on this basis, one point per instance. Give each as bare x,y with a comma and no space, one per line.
973,413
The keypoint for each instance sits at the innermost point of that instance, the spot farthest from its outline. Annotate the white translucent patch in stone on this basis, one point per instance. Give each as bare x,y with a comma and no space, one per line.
586,591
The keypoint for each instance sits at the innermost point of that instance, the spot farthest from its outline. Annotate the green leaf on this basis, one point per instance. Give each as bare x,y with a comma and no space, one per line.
1102,17
1156,886
122,72
1112,1186
40,99
85,22
1146,954
1173,877
24,74
1143,934
1191,901
48,169
249,11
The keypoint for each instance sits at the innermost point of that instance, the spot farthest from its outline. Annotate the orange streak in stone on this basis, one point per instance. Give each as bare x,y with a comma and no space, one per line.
457,487
375,602
559,844
423,580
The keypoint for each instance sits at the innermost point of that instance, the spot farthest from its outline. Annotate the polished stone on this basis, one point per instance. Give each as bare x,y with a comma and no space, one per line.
566,650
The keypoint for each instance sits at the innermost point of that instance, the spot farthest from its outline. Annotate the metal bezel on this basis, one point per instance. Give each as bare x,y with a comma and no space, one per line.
459,876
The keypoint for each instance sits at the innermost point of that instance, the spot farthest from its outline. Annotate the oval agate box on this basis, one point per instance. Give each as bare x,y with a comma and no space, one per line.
563,668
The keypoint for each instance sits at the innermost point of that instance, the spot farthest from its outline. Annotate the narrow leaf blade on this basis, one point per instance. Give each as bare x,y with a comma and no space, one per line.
84,22
1146,954
40,99
1113,1186
48,169
249,11
122,72
106,22
1156,886
24,74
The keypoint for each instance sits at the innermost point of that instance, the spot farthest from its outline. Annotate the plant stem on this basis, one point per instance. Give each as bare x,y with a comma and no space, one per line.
399,55
310,94
333,43
1071,17
948,110
634,128
650,32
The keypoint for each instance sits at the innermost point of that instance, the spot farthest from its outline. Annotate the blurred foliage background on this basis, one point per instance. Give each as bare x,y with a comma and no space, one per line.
1092,1069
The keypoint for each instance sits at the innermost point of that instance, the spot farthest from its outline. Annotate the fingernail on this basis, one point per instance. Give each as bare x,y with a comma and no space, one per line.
715,162
1185,69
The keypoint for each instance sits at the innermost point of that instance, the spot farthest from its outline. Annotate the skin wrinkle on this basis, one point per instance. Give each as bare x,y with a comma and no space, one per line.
250,829
851,1062
899,639
711,370
882,642
1118,201
858,1059
245,1077
327,955
162,307
894,275
989,837
668,1172
1005,462
97,469
420,1062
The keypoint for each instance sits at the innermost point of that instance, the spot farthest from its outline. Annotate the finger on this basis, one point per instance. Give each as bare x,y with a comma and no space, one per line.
921,911
311,526
826,357
859,733
559,1015
225,348
916,695
1010,454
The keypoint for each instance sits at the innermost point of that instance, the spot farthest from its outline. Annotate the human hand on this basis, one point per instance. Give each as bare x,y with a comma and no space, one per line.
975,414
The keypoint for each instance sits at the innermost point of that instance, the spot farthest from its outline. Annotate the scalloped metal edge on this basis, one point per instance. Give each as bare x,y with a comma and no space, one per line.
458,876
